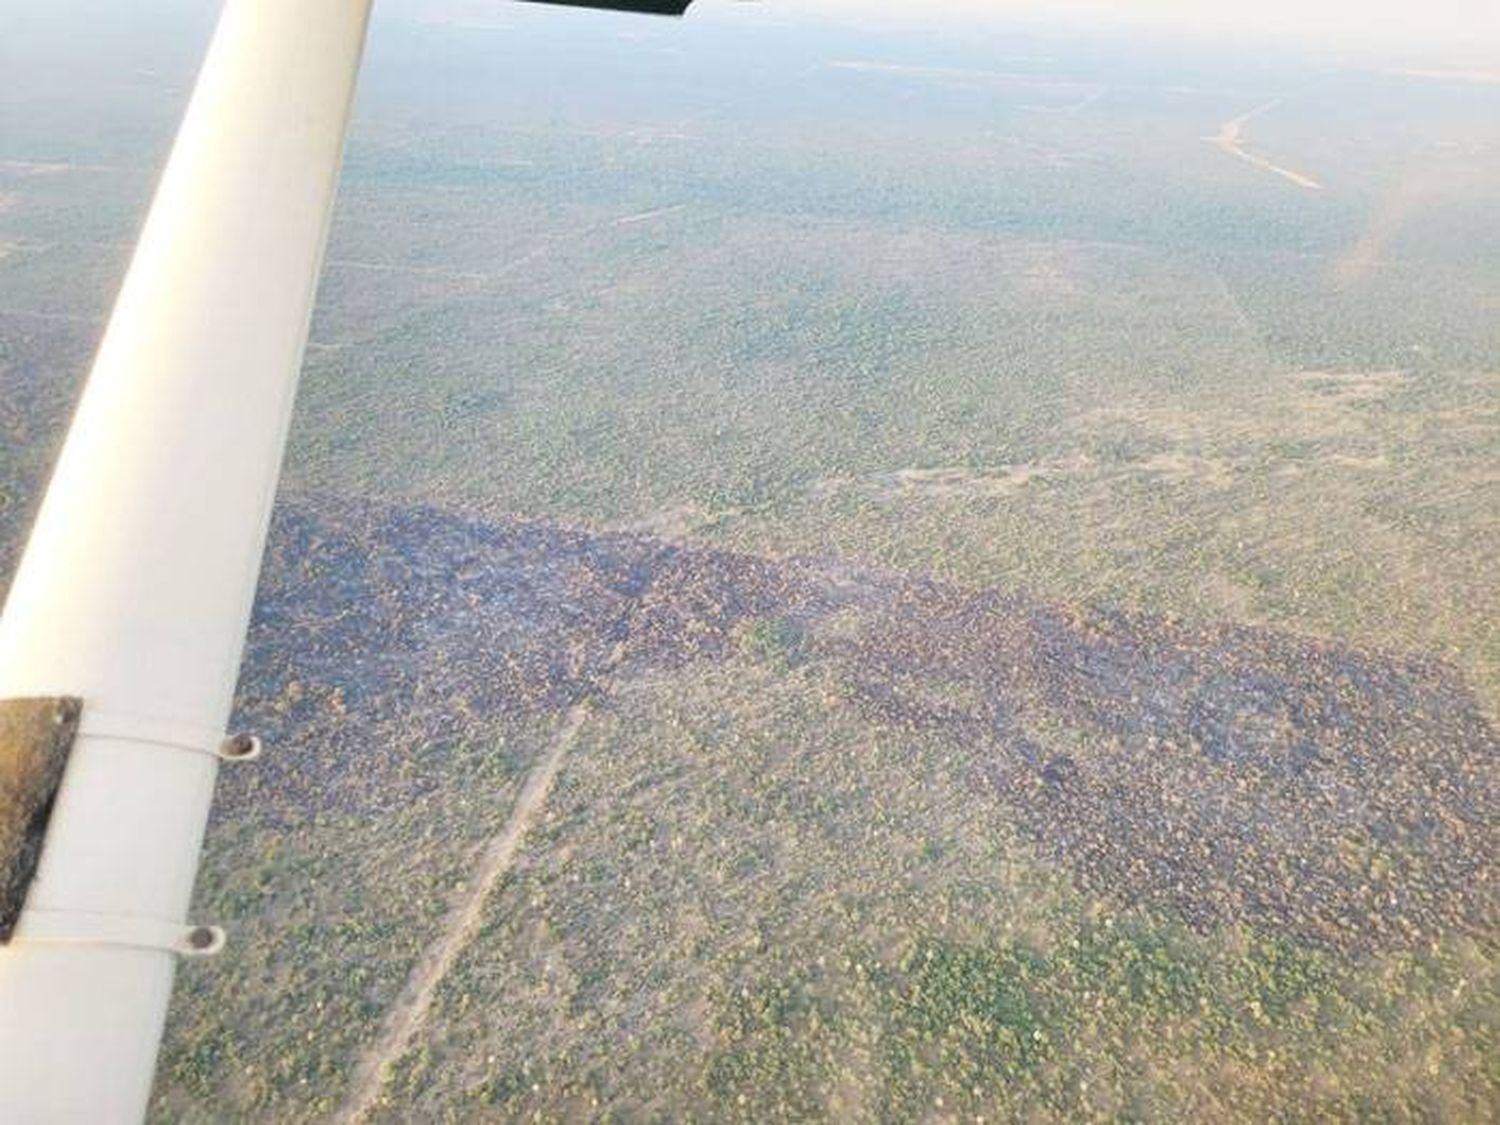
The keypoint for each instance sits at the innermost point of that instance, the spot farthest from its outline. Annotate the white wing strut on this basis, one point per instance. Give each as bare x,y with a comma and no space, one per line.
135,589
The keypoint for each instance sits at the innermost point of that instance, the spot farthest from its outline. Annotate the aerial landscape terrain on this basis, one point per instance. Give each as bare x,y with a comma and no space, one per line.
839,570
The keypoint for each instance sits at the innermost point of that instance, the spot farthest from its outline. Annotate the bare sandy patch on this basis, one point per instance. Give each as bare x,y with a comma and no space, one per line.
1449,74
955,480
964,482
1052,271
952,481
1180,467
50,167
1349,387
1374,462
676,522
656,213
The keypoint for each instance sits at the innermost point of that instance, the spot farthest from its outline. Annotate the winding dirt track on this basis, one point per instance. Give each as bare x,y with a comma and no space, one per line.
1230,139
408,1015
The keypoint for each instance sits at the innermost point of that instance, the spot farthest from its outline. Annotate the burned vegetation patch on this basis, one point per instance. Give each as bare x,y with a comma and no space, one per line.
1225,773
1222,773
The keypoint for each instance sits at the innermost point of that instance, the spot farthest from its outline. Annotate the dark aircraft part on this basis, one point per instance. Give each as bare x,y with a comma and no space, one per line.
650,7
35,737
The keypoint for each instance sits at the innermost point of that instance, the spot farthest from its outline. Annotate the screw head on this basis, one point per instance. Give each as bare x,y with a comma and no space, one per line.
202,937
241,746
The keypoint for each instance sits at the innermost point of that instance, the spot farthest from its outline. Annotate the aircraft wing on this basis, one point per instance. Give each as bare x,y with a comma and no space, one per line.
649,7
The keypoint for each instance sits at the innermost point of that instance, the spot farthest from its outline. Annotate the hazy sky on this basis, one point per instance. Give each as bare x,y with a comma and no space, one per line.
1464,33
1462,27
1414,33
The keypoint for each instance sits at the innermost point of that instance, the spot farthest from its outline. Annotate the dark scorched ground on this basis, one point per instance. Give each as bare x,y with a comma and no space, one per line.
1223,773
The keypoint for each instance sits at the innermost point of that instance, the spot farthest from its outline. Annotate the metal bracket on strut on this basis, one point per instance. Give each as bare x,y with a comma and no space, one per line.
148,731
74,927
36,736
240,748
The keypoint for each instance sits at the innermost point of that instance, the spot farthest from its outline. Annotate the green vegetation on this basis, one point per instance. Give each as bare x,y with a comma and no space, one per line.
1224,436
326,917
785,942
773,640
